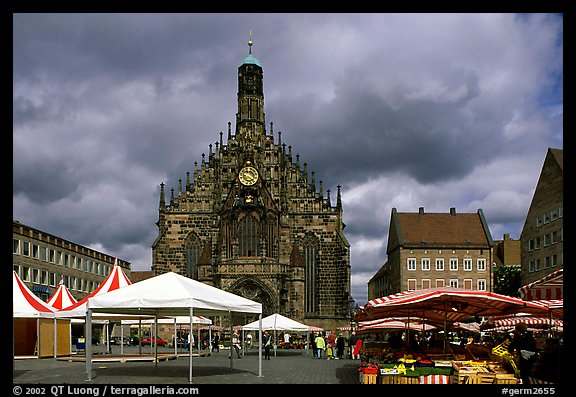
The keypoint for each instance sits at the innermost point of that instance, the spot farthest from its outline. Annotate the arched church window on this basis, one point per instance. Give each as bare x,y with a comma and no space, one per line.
271,238
193,249
249,238
310,248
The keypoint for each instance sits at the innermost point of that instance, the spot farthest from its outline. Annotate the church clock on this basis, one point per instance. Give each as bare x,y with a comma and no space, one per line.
248,175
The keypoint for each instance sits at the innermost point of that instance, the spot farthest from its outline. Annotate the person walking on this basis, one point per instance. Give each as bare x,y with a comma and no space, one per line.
340,347
235,345
320,346
352,344
266,342
215,342
524,345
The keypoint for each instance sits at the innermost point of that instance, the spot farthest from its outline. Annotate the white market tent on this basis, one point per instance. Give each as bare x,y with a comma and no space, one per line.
277,322
37,333
170,294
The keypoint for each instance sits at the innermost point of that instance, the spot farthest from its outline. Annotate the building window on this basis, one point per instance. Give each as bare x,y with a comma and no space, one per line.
530,266
468,265
425,262
453,264
35,276
537,265
546,239
546,218
411,284
481,284
531,245
454,283
547,262
310,247
16,246
44,277
538,221
25,273
426,283
52,278
411,264
440,264
193,249
249,237
44,254
554,260
467,283
481,264
440,283
537,245
553,215
25,248
554,237
35,251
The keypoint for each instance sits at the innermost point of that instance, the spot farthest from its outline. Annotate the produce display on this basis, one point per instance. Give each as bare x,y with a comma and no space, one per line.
384,366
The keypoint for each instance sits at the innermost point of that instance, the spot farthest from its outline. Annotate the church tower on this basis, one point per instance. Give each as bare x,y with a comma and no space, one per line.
253,221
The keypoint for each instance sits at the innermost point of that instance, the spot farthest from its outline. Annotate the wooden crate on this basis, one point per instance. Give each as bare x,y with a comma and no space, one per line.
388,379
505,379
480,378
370,379
408,380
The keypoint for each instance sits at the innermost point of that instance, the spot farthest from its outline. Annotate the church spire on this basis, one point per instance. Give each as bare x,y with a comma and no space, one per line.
250,122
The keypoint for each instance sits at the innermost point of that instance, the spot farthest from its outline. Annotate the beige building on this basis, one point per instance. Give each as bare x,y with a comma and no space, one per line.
542,237
41,259
252,219
427,250
507,251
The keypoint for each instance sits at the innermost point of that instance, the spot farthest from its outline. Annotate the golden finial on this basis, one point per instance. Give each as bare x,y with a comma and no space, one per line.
250,42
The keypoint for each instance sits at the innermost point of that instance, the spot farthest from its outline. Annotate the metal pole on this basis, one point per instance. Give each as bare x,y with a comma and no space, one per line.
190,355
88,342
260,345
55,337
231,340
175,339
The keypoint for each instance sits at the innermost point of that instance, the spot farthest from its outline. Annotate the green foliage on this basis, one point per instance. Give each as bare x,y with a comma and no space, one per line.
507,280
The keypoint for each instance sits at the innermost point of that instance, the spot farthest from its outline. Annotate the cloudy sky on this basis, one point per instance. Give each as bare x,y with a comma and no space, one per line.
401,110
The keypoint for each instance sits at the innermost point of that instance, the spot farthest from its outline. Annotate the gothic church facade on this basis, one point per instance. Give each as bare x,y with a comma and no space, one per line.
252,221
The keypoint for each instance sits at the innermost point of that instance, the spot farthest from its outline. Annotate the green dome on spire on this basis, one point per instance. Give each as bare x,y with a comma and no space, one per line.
250,59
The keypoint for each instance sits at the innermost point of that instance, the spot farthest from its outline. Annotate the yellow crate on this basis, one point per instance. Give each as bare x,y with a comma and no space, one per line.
480,378
408,380
370,379
388,379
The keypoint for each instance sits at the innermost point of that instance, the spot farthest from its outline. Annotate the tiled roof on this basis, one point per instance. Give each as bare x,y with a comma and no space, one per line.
433,229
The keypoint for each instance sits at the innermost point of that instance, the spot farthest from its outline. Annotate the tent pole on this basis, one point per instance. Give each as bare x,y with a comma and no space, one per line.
88,341
56,337
260,345
190,355
156,339
121,339
175,339
139,336
231,340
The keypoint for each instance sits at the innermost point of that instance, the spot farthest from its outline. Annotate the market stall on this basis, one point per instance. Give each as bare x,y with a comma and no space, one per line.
439,359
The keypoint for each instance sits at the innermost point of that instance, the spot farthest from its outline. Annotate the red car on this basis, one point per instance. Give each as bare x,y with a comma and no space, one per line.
150,340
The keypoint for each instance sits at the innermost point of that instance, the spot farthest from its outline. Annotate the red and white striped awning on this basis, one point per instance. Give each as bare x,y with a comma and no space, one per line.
62,298
25,304
116,279
548,287
530,321
394,324
451,304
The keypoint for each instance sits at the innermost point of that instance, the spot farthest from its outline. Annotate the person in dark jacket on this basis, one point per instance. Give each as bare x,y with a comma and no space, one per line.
524,344
340,343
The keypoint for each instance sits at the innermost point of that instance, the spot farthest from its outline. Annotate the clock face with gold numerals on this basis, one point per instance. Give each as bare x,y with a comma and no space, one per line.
248,176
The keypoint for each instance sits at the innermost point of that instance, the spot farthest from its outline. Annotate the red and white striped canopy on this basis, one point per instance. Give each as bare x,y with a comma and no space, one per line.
548,287
530,321
450,304
394,324
116,279
62,298
25,303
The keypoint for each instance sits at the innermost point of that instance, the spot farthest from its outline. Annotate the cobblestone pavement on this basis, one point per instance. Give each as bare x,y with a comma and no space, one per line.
287,367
